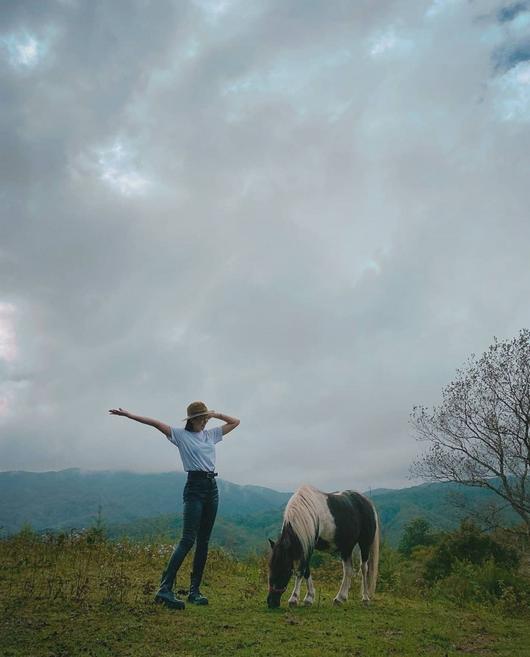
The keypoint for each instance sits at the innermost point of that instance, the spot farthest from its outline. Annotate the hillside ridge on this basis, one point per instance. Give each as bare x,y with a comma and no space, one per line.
144,504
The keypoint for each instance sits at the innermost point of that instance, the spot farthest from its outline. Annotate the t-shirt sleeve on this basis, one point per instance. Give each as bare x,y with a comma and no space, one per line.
176,436
216,434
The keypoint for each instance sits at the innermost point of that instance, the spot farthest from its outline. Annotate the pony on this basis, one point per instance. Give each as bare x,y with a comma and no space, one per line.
334,522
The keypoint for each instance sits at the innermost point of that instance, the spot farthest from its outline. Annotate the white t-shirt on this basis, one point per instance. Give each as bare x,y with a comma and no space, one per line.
197,448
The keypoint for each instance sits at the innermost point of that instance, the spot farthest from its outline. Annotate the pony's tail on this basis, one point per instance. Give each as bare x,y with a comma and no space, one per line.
373,556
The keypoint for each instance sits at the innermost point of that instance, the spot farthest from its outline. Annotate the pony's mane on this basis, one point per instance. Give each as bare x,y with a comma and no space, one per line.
302,513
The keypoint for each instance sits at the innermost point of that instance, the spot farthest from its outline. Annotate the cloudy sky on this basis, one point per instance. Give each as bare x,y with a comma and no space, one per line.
307,214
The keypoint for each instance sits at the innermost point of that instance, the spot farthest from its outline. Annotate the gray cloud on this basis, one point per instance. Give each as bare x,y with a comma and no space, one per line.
508,57
307,214
509,12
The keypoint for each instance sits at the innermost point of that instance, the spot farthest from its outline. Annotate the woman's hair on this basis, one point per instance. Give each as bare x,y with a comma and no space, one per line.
189,425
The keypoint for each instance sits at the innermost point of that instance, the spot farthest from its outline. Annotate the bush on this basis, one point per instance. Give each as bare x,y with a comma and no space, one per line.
94,535
390,569
416,533
487,582
468,544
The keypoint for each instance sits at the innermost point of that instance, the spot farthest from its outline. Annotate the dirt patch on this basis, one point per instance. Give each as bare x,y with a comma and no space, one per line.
480,644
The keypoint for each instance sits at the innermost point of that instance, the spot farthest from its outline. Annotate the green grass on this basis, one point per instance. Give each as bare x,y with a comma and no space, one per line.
70,597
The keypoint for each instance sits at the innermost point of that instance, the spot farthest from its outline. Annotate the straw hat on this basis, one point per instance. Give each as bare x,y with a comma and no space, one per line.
196,409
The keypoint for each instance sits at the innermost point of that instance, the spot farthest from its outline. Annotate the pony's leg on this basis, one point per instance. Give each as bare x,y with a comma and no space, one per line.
310,595
364,573
295,595
347,569
365,556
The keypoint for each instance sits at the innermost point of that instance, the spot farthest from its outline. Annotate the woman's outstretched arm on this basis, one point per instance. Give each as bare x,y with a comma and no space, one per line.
161,426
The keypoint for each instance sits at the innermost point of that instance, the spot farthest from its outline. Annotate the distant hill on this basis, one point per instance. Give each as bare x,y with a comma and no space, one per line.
437,503
71,498
149,506
240,535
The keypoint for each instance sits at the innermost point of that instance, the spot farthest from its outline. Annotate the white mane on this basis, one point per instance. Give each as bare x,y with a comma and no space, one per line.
304,513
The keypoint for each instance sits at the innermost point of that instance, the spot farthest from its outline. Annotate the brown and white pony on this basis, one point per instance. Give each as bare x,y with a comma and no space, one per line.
324,521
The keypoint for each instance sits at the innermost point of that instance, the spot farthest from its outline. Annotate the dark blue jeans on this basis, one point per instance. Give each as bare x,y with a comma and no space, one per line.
201,499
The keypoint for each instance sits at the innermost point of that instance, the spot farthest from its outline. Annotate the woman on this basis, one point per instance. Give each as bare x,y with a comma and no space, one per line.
197,451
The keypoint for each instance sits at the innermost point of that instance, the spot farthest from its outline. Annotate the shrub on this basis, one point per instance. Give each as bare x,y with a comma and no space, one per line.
94,535
416,533
468,544
390,569
487,582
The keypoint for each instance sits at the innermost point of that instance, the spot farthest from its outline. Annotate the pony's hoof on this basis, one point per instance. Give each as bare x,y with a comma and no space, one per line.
337,602
293,603
308,603
366,602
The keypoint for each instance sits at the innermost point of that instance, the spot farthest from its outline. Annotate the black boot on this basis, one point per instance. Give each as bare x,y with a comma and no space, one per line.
195,596
169,599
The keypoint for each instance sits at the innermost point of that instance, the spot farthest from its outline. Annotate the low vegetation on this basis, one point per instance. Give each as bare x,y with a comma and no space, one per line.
68,594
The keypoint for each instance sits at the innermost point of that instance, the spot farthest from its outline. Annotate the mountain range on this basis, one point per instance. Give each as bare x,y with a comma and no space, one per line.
149,506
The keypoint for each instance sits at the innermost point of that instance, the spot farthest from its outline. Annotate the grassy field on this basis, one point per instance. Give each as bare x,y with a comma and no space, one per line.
70,596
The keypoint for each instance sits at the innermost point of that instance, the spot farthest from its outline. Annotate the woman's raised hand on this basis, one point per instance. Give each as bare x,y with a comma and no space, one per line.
119,411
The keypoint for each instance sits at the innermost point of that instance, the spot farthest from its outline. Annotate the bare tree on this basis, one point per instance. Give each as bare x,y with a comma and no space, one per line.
479,434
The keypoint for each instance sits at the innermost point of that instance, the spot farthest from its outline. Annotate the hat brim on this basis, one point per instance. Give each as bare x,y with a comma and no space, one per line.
191,417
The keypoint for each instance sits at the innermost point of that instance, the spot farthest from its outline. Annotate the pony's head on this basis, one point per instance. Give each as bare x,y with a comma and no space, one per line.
284,553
